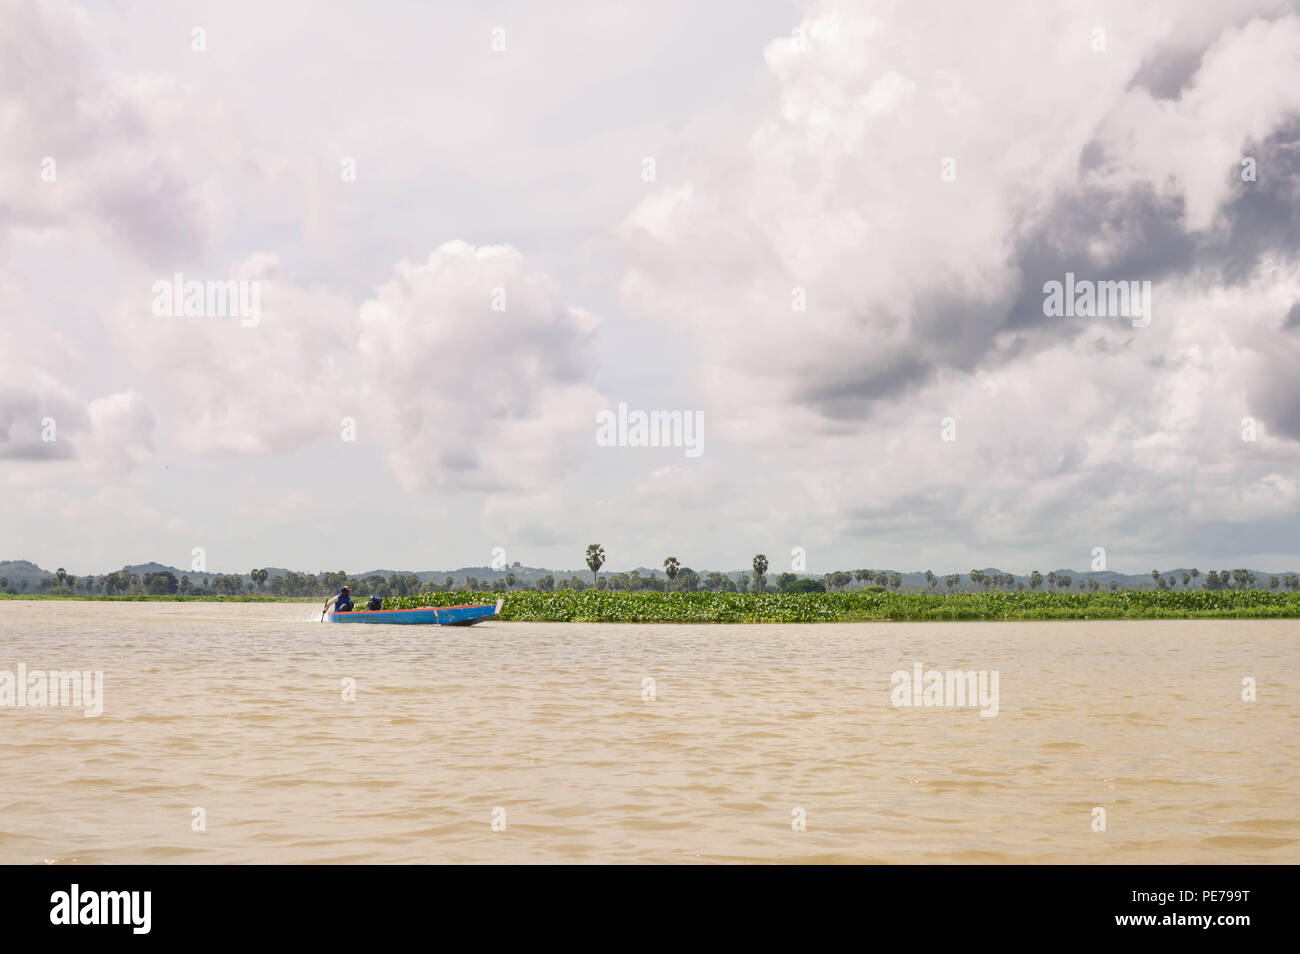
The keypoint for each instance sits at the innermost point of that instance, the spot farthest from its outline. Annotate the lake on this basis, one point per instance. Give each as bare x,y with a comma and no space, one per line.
286,740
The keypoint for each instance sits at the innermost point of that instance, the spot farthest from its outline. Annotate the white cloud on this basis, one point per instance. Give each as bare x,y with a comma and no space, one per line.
914,284
472,398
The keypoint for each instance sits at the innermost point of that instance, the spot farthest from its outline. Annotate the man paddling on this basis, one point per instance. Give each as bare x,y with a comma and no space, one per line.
341,603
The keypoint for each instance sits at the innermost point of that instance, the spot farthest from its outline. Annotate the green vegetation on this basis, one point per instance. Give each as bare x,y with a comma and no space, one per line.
682,595
593,605
806,586
606,606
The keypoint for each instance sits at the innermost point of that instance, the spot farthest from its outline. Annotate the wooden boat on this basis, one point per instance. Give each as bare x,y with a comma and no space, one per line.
425,615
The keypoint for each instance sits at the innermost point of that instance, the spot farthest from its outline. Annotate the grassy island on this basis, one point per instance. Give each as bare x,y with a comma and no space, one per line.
602,606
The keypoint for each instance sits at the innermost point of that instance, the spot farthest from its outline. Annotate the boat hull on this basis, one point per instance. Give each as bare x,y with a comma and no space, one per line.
424,616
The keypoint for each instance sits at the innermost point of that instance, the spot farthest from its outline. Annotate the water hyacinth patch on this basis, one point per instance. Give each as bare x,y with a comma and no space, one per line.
603,606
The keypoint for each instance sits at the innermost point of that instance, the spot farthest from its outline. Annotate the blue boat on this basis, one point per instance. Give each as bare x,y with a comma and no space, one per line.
425,615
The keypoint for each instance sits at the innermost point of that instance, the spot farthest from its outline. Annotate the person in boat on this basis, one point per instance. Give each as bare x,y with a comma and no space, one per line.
341,603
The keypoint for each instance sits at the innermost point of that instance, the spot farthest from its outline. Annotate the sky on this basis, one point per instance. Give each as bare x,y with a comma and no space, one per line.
823,232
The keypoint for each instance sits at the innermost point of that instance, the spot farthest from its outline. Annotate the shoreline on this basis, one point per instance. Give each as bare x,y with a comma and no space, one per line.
861,606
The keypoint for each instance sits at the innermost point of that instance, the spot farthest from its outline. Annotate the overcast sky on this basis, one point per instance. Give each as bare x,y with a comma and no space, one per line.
656,189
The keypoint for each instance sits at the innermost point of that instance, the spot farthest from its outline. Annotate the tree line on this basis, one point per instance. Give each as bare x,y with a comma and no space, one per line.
683,578
677,578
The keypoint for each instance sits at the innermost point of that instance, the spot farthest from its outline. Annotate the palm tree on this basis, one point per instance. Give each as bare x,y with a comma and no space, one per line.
1195,574
760,571
450,583
595,560
671,566
1035,580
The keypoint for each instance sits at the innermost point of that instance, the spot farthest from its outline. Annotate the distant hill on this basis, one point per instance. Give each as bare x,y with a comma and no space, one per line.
20,572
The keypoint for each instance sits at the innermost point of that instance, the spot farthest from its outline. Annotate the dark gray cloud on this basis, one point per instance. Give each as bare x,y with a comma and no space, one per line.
22,421
1144,239
35,450
1264,216
1168,71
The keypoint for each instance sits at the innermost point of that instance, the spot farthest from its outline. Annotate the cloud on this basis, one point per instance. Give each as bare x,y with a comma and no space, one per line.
924,296
472,398
122,431
456,399
453,393
840,194
87,148
45,418
237,388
